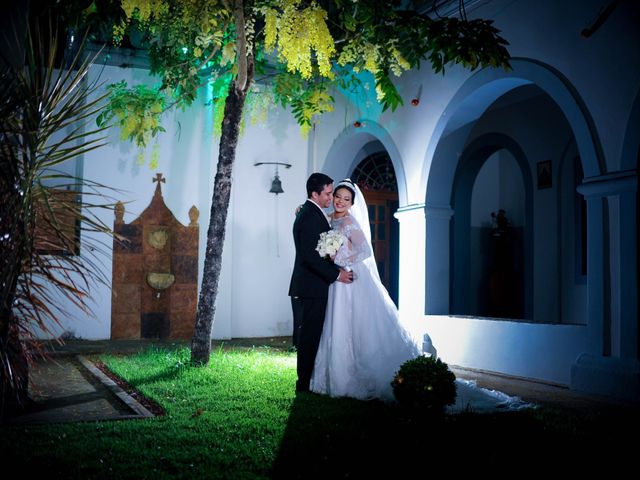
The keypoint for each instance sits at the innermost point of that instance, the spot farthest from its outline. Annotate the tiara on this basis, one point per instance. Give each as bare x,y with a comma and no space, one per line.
346,183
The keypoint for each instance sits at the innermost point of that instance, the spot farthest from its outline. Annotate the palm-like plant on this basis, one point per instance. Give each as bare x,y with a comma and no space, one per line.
46,111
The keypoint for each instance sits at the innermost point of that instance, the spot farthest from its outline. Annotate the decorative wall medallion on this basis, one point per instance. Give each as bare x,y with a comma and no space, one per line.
158,238
160,281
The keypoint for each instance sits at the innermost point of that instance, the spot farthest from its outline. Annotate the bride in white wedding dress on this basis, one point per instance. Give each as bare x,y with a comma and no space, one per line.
363,342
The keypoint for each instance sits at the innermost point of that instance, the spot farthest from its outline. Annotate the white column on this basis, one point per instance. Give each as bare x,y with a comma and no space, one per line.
593,371
628,275
595,274
412,260
438,261
623,186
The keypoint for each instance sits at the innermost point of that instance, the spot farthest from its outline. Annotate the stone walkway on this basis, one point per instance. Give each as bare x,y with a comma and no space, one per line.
69,387
72,389
540,393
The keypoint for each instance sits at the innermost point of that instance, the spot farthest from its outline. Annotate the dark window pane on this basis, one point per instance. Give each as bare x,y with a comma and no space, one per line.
381,231
372,213
380,269
381,211
373,231
376,173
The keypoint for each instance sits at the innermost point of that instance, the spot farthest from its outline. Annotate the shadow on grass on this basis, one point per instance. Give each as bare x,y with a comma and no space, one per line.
343,438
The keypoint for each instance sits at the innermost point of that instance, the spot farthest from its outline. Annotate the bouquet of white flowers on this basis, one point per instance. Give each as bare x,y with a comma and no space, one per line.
329,243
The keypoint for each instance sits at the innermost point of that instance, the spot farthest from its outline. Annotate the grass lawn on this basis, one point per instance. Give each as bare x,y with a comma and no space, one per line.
239,418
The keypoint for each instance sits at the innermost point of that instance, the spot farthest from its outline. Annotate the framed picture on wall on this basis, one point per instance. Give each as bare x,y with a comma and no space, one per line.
544,174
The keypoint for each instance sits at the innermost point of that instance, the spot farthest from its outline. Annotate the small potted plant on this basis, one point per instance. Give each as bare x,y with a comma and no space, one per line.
425,383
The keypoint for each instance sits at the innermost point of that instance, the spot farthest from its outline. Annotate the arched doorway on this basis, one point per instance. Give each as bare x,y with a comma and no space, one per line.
377,179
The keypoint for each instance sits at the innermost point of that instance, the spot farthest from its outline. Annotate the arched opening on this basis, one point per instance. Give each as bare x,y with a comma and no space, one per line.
572,238
354,144
377,179
540,114
491,245
347,154
496,239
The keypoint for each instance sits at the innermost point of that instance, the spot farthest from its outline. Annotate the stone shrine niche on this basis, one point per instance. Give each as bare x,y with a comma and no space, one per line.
155,273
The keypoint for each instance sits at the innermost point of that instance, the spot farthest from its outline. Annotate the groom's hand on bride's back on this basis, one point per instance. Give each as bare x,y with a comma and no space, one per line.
345,277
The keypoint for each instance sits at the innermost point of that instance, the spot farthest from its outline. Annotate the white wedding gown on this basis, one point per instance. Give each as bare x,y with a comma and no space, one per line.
363,342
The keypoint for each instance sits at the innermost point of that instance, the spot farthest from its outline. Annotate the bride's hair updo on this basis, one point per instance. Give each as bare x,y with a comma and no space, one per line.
349,185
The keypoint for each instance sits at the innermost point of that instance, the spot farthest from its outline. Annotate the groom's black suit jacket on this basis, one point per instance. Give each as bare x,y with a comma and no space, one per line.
312,274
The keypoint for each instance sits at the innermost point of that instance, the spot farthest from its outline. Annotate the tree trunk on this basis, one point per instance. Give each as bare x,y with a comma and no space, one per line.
234,104
201,343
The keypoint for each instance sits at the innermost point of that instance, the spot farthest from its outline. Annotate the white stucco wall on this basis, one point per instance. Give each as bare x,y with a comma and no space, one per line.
258,252
263,249
539,351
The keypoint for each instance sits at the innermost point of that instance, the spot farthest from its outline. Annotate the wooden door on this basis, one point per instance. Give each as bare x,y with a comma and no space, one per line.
384,236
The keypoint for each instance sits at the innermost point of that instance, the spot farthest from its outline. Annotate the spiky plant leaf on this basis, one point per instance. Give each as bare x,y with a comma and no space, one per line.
47,113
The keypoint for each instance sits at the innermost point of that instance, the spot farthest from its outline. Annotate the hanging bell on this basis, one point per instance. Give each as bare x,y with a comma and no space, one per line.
276,185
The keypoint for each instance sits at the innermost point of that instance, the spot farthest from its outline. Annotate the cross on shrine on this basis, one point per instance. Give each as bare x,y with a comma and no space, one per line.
158,179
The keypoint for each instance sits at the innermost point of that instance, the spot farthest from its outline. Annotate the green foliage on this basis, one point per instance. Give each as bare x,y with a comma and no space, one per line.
136,111
472,43
390,96
425,383
383,38
219,91
194,43
185,40
308,99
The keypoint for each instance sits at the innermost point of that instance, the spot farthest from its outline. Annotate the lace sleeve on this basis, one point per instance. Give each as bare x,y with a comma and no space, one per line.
356,248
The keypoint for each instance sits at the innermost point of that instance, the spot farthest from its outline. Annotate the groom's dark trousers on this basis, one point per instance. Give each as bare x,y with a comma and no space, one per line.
309,333
309,288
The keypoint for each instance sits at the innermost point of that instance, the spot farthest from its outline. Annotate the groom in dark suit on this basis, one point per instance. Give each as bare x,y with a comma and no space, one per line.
312,276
